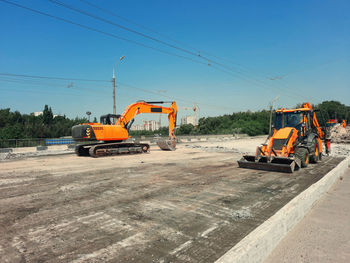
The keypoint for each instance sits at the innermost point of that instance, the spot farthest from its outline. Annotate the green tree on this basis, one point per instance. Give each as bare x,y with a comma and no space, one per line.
185,129
334,110
47,115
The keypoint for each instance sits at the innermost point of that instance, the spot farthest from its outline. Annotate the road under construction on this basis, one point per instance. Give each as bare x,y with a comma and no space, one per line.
188,205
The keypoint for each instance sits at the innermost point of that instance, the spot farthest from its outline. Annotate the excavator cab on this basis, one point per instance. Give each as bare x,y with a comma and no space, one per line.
107,119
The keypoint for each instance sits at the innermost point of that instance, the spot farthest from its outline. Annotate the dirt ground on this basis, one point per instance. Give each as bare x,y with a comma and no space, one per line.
190,205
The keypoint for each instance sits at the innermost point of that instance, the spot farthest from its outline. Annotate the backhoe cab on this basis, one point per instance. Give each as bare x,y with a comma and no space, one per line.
295,141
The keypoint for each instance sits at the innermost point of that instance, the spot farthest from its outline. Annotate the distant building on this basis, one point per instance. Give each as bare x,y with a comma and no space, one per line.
147,126
37,113
188,120
137,127
151,125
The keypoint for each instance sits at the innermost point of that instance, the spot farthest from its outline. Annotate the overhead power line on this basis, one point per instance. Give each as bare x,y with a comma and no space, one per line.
137,24
100,31
227,69
208,61
47,77
22,79
122,27
197,50
239,68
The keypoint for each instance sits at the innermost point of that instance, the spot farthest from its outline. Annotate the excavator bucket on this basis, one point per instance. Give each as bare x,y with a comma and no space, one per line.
167,145
277,164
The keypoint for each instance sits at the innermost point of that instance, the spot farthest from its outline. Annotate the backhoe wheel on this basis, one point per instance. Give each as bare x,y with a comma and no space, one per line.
315,157
303,155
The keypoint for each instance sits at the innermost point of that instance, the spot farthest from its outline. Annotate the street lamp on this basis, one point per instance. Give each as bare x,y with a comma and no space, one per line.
88,113
113,80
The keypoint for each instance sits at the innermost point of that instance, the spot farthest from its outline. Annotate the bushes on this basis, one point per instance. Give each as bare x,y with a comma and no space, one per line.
251,123
14,125
334,110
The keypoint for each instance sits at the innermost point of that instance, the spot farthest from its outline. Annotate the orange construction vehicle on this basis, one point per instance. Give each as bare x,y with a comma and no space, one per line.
343,123
332,122
108,137
295,141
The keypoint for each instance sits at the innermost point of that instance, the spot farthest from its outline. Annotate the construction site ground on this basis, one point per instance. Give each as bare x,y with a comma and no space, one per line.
190,205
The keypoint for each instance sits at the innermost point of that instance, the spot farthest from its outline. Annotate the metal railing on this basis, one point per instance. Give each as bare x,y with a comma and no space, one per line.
16,143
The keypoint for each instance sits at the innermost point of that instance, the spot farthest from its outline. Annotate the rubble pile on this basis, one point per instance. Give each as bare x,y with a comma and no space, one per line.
339,134
340,149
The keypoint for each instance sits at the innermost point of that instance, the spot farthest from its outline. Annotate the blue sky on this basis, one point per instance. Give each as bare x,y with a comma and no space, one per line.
305,44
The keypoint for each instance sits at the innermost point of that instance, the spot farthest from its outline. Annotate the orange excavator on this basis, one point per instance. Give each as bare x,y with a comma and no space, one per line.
108,137
295,141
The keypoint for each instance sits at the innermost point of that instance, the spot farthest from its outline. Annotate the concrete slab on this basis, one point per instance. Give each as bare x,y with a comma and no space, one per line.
323,235
256,246
6,150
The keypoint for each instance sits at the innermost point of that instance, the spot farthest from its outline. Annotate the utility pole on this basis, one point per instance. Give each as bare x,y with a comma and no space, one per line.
271,107
113,80
270,118
195,114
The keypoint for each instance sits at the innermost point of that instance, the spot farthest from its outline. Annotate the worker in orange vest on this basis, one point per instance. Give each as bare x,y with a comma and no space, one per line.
344,124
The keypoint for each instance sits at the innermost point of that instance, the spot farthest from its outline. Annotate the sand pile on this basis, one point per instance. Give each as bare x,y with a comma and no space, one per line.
340,134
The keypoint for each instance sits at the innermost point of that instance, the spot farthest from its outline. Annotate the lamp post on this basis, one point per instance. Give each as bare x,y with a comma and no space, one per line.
88,113
271,107
113,80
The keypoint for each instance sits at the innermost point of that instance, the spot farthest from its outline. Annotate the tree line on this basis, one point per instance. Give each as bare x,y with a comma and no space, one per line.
14,125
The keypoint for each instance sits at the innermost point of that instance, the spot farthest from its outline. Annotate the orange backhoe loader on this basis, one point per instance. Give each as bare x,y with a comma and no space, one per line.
108,137
295,141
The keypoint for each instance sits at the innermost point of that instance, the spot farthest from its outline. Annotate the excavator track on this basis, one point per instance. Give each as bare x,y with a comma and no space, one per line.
108,149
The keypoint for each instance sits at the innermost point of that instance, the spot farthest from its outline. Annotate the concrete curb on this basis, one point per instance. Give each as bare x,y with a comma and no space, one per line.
256,246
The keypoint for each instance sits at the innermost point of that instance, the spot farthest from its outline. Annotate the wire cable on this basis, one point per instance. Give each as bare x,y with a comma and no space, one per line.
227,68
121,26
100,31
137,24
47,77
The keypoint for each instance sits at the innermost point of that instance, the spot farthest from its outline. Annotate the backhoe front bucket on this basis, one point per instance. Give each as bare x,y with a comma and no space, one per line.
167,145
277,164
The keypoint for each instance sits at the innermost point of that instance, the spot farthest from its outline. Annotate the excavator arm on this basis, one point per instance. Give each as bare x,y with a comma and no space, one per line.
147,107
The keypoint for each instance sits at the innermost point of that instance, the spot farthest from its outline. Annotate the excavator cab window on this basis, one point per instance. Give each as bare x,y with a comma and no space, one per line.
106,119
